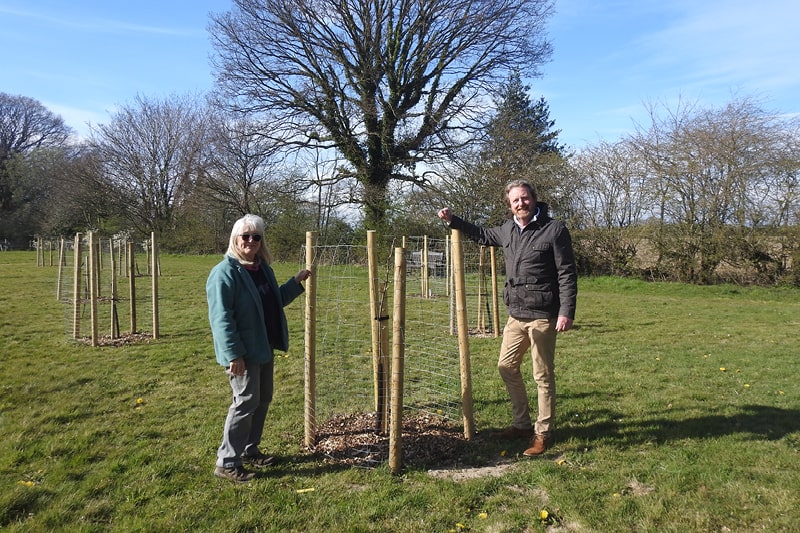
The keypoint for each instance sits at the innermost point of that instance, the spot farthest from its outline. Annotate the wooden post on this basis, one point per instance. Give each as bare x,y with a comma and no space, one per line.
374,312
310,390
113,271
481,314
76,287
154,273
384,392
495,296
132,285
92,265
61,259
463,336
398,363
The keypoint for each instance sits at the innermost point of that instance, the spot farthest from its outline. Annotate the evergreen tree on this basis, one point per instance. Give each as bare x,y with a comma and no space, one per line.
521,143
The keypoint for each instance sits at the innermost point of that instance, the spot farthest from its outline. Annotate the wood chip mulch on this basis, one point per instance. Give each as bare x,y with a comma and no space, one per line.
353,440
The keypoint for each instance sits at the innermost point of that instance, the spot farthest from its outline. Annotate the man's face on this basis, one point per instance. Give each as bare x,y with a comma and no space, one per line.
521,203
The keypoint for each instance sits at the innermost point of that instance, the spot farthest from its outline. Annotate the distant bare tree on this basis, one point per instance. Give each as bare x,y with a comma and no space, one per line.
242,163
716,189
152,154
615,189
388,83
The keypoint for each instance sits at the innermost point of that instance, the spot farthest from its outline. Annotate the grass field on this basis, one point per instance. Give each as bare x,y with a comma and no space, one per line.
679,410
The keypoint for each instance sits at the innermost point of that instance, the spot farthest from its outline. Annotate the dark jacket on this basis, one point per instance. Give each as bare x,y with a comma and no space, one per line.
541,278
237,316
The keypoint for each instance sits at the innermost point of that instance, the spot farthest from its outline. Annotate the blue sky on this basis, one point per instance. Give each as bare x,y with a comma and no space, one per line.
82,58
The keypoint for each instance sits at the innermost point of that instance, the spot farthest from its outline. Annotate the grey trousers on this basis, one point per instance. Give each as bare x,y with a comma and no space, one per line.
244,425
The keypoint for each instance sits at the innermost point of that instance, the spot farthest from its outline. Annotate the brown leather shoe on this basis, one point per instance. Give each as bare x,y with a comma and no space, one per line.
539,444
514,433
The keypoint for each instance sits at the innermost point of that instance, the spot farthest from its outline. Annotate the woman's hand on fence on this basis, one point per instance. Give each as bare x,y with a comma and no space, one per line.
302,275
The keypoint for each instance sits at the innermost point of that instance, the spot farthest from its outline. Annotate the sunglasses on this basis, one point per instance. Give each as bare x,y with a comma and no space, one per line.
247,236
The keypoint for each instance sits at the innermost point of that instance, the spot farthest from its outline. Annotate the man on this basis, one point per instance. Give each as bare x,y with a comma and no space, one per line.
540,293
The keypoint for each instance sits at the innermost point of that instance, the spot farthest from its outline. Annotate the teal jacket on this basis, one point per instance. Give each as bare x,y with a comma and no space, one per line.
236,314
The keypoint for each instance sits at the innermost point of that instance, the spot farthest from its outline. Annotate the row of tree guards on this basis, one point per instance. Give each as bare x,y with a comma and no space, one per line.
388,367
88,265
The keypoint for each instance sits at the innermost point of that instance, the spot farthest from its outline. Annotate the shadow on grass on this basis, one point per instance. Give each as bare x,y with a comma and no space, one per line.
756,422
450,449
300,465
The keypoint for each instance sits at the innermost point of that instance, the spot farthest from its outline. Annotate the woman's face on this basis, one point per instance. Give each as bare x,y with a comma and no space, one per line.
249,242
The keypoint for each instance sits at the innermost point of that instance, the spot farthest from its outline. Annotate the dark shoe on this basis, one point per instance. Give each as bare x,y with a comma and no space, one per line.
514,433
260,459
237,474
539,444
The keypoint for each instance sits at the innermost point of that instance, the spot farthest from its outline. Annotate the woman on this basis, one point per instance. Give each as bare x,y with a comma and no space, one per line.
245,308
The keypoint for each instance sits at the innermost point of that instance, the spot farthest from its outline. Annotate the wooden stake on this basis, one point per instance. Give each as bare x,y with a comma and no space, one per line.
398,362
463,336
113,272
384,392
76,287
132,285
374,311
154,273
61,259
92,264
310,377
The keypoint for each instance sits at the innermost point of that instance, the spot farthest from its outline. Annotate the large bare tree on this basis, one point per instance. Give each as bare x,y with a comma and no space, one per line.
388,83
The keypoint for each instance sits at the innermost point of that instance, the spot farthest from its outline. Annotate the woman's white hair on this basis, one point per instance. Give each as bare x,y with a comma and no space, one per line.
252,224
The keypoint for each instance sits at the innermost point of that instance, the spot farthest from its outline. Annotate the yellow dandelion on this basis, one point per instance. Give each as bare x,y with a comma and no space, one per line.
26,483
459,525
780,392
483,516
543,514
746,385
140,401
722,368
658,359
438,411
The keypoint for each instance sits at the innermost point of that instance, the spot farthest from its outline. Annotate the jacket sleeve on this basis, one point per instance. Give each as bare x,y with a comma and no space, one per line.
484,236
291,290
567,273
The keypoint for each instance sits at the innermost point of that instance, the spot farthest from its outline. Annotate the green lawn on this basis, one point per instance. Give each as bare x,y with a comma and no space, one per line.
679,410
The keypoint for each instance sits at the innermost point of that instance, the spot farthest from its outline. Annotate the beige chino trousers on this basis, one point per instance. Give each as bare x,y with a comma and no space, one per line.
540,336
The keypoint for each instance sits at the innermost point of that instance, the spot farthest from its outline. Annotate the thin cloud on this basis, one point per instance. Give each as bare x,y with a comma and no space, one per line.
94,25
730,43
